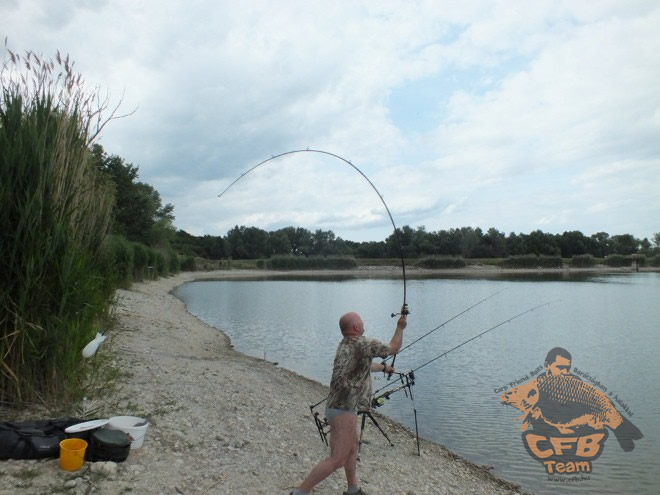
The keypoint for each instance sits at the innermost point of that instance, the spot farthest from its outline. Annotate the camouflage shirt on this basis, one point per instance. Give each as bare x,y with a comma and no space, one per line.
350,387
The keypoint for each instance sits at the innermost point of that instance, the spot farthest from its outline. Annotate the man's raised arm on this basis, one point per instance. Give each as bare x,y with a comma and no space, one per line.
397,338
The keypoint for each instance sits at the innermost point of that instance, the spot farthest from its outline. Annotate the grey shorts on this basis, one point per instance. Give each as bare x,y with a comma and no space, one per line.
331,413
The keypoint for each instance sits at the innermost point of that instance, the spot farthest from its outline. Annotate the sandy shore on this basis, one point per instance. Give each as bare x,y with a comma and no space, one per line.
225,423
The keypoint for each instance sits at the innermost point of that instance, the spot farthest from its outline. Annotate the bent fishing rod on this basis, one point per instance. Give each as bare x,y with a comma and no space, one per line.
404,306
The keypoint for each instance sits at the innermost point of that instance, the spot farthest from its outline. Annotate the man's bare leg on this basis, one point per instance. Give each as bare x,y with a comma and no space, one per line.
343,445
350,468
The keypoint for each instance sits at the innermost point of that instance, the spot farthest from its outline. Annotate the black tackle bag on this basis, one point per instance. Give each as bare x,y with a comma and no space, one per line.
33,439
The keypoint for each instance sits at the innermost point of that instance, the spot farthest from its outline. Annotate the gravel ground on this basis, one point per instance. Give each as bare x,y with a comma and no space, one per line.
225,423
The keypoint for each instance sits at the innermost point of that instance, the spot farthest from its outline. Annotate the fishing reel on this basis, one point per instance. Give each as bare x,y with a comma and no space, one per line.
407,382
404,311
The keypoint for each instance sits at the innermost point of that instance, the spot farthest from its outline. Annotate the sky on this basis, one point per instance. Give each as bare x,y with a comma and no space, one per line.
509,114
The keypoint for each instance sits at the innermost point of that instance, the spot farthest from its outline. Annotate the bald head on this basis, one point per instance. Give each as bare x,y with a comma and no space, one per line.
351,324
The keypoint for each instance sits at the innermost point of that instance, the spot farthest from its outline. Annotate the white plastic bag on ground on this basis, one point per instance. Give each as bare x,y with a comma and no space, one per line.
91,348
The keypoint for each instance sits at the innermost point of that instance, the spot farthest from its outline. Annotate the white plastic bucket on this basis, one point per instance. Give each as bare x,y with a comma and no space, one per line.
127,424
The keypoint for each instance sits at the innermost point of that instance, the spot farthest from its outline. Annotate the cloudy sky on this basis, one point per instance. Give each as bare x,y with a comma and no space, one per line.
510,114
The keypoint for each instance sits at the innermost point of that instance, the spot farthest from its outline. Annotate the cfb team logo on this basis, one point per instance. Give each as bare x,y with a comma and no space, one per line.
570,419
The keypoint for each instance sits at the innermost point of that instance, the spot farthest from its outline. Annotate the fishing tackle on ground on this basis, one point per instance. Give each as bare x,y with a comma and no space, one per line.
404,306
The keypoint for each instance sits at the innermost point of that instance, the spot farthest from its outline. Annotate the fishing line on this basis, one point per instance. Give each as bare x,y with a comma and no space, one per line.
508,320
445,323
486,331
404,306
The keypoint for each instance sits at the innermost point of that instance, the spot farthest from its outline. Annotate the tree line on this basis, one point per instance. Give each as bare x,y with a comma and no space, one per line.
243,242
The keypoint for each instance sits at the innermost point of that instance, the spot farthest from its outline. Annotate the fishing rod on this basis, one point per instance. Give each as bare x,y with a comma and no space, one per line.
485,332
404,307
508,320
408,379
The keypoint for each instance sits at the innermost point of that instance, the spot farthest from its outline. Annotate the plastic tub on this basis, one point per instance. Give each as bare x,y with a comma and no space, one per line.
134,426
72,453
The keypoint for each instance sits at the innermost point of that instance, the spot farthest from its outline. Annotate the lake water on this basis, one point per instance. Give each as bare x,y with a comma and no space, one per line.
609,323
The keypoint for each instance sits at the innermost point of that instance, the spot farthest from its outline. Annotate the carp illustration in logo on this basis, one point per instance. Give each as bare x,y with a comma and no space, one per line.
563,409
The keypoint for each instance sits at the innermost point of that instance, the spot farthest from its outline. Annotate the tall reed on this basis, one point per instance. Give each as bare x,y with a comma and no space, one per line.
54,218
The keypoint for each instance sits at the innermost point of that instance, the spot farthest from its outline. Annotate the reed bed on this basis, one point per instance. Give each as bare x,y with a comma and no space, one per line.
441,262
55,216
308,263
583,261
533,261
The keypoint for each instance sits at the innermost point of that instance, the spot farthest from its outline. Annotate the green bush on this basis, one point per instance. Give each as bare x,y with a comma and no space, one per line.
188,264
152,263
441,262
617,260
140,260
175,265
311,263
583,261
120,255
655,261
533,261
161,265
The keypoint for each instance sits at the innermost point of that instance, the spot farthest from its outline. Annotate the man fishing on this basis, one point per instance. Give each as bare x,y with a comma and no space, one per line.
350,392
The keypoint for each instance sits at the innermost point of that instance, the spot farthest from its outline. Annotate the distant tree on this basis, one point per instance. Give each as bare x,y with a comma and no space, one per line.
540,243
215,247
256,241
371,249
656,239
247,242
573,243
323,242
278,243
516,245
601,245
471,240
492,245
401,243
343,248
138,211
447,243
625,244
300,240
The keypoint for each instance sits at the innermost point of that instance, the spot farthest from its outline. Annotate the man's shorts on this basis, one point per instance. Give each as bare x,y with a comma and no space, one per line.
331,413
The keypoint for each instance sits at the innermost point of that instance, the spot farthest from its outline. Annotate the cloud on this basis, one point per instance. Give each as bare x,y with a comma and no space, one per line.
530,112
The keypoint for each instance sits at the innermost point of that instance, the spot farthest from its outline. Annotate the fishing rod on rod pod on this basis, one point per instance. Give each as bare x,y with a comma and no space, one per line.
408,379
508,320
